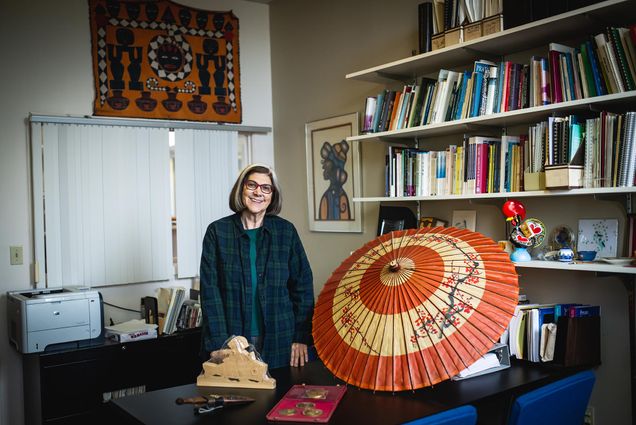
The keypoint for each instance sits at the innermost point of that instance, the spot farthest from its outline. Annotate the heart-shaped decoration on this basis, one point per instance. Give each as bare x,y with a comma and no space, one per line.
535,228
520,238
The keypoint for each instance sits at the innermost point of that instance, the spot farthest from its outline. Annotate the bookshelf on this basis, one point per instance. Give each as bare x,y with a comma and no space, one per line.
501,119
578,22
570,25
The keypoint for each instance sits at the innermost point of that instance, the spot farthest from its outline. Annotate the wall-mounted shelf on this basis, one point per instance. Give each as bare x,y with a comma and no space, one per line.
504,119
595,266
567,25
505,195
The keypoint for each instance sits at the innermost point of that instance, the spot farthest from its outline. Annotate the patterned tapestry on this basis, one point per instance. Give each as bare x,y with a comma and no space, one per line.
158,59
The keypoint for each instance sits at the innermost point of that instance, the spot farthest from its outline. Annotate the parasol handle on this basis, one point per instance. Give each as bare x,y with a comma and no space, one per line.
394,266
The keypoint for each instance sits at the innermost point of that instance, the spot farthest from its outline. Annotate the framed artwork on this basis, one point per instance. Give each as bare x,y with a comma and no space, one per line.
333,174
600,235
432,222
464,219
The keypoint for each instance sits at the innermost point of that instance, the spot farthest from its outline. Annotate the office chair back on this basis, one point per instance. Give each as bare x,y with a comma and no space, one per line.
562,402
464,415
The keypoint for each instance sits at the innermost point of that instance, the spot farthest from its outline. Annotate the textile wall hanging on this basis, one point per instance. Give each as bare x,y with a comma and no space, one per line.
158,59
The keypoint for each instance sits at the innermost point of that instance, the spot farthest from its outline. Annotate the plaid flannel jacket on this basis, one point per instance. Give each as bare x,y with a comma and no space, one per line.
285,286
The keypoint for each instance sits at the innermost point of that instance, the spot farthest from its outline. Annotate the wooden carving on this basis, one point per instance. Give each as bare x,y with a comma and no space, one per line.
235,367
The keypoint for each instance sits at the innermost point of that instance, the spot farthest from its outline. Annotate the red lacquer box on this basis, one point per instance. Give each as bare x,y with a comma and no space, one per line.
307,403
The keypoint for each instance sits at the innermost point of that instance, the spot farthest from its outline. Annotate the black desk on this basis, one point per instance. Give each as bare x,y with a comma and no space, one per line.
493,391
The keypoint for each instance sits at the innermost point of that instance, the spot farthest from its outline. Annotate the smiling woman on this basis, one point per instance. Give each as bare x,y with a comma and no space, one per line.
256,280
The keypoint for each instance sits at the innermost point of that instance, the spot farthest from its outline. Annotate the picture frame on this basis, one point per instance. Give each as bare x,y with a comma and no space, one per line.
600,235
464,219
432,222
333,174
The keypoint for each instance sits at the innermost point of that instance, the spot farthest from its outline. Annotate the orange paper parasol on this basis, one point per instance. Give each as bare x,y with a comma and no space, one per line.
414,307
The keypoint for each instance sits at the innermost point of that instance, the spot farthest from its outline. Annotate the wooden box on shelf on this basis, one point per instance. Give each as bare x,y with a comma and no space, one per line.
492,24
563,176
472,31
453,36
437,41
533,181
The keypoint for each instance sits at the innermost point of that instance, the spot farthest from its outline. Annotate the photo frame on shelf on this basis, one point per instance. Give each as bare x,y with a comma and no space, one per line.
432,222
333,174
464,219
600,235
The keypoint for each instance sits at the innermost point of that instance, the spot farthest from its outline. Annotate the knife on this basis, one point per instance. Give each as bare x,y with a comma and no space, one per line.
212,402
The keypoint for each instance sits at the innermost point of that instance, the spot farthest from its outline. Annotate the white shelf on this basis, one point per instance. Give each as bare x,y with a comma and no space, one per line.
594,266
579,22
502,119
505,195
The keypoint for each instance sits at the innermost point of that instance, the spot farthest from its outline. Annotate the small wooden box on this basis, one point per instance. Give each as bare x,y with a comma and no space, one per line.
563,176
492,24
437,41
533,181
453,36
472,31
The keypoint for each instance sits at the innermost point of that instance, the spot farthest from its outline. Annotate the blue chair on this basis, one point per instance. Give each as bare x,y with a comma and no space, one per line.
562,402
464,415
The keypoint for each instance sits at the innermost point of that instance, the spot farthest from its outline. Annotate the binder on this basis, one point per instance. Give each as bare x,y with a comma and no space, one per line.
578,341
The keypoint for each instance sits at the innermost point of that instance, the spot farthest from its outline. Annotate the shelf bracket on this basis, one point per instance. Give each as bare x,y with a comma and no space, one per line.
625,199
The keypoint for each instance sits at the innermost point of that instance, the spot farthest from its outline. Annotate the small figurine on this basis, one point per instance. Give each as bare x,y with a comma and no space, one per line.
238,365
526,233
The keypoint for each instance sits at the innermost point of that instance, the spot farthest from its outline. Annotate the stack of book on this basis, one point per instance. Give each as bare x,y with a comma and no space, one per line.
603,64
533,332
604,146
480,164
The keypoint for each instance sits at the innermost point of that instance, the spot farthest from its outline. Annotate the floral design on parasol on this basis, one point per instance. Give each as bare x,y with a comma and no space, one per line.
413,308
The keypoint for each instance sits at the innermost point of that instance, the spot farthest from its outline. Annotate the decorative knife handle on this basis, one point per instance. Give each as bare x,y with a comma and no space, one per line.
192,400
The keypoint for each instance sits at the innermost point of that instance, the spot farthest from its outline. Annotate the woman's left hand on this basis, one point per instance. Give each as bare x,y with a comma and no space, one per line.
299,354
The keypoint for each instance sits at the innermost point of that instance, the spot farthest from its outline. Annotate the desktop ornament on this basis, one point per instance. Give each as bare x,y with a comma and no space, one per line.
237,365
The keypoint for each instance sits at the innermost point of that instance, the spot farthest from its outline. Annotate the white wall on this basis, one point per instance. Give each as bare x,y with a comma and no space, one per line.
46,69
314,45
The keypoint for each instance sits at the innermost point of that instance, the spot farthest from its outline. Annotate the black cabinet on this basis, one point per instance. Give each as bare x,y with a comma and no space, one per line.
67,386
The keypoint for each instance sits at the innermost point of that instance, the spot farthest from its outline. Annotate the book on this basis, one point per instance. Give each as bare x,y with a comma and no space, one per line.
621,58
425,26
584,311
599,80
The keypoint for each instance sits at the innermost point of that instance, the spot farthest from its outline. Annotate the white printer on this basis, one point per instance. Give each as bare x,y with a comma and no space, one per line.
38,318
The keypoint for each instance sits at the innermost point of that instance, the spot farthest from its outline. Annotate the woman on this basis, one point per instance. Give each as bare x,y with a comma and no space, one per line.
255,277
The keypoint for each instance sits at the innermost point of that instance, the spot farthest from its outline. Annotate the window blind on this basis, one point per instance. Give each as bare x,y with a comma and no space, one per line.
206,166
101,204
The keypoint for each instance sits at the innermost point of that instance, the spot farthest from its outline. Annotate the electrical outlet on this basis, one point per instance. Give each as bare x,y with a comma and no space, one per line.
16,255
589,416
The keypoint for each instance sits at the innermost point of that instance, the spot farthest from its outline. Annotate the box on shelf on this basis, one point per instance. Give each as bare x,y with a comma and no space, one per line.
533,181
492,24
472,31
453,36
563,176
437,41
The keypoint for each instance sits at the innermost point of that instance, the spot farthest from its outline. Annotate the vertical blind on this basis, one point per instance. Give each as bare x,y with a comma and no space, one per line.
101,199
206,166
101,204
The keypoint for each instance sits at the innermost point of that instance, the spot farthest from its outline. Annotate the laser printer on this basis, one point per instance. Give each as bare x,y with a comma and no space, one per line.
40,318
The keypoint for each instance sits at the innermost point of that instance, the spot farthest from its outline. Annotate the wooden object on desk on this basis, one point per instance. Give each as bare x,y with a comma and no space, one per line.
235,367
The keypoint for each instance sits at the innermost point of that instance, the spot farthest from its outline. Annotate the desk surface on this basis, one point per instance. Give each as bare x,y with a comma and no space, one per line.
357,406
